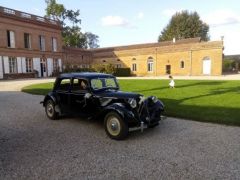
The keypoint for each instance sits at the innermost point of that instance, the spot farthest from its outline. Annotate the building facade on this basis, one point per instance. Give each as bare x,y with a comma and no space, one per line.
30,46
183,57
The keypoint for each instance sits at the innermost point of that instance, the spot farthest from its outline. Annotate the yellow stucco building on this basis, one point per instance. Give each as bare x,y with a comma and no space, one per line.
183,57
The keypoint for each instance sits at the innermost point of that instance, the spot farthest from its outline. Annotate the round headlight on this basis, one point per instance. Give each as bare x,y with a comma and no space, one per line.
132,102
154,99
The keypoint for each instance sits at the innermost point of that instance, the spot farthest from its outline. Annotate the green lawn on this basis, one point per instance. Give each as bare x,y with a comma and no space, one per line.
210,101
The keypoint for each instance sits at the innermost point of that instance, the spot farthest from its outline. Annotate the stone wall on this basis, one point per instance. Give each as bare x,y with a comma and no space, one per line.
19,75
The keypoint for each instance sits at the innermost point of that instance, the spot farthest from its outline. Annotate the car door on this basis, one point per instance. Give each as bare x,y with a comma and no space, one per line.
78,91
63,94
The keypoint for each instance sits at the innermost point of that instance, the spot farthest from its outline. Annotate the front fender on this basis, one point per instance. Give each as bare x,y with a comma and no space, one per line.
49,96
127,115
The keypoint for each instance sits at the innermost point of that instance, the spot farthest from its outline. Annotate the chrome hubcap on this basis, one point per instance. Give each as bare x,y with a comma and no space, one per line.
50,109
113,126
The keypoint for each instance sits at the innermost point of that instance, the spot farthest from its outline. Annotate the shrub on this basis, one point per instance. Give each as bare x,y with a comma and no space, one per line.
104,68
122,72
228,65
101,68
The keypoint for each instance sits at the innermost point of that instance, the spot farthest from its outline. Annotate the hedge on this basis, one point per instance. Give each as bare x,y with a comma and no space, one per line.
122,72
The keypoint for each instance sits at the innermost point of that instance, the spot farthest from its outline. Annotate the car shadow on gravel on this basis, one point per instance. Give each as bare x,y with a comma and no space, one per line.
98,124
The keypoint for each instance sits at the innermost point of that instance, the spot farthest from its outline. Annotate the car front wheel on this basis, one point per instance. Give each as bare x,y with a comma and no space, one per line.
50,110
115,127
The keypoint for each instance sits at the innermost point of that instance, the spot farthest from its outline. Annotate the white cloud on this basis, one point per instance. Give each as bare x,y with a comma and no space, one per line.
222,17
140,15
225,23
115,21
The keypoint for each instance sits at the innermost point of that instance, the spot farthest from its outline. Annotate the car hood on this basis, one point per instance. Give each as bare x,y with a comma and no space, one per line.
117,94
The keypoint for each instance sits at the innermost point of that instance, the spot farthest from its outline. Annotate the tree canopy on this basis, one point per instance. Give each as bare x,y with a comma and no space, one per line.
185,25
70,21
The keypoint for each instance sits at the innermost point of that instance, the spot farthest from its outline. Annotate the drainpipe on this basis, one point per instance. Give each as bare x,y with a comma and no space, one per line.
156,63
190,62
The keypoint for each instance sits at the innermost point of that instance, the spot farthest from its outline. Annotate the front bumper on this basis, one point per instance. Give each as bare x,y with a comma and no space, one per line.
144,125
150,113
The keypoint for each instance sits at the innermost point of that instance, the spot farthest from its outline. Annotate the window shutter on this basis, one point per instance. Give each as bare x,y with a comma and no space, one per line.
19,64
60,65
23,64
50,66
36,65
6,64
12,39
43,43
1,68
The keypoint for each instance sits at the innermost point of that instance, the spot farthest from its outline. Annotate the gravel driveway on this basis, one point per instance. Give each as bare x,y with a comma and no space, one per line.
33,147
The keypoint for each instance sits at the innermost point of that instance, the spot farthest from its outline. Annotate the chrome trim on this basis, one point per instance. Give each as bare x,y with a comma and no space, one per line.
163,117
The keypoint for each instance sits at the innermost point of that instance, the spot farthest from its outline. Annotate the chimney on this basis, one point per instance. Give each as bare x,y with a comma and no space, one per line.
174,40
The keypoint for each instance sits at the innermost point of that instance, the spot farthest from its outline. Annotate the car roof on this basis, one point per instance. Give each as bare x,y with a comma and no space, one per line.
87,75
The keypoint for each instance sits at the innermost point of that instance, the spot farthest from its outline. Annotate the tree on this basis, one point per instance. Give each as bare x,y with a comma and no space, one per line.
92,40
185,25
70,21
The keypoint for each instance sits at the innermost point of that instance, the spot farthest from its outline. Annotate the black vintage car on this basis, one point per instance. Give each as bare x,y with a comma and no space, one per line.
97,95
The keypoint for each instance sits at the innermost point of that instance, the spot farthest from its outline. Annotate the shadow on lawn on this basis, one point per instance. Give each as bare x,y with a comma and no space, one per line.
214,114
214,92
207,83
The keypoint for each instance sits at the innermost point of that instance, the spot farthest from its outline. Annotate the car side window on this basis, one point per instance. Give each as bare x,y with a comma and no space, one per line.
64,85
96,84
79,85
110,82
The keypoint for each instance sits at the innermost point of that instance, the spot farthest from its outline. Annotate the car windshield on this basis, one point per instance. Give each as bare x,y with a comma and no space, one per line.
104,83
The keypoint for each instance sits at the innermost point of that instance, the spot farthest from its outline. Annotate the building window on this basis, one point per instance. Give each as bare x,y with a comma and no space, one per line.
150,64
27,41
12,65
29,65
55,65
10,39
42,43
118,65
182,65
54,44
134,67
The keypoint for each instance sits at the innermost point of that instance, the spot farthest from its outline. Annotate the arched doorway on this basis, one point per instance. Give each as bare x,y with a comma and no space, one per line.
150,65
206,66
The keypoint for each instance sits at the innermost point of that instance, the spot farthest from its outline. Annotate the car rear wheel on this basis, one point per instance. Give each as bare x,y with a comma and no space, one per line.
50,110
115,127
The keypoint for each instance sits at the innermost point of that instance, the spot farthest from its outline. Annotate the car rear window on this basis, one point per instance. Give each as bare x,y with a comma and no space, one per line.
64,85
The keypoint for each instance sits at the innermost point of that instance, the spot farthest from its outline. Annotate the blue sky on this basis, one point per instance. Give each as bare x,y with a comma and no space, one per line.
126,22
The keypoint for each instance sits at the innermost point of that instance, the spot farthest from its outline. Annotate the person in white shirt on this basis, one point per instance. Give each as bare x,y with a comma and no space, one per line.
171,83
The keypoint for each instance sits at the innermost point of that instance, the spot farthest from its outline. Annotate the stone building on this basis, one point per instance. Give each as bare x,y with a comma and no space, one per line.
183,57
30,45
